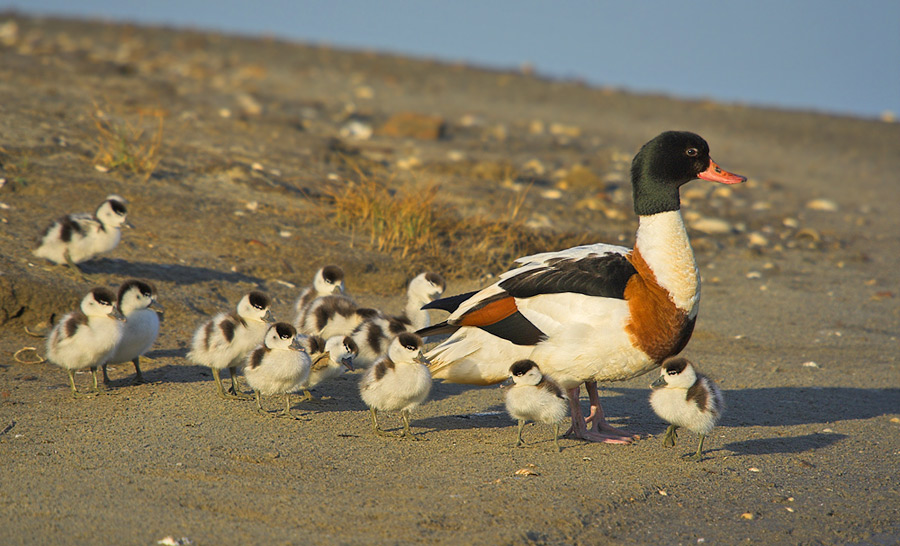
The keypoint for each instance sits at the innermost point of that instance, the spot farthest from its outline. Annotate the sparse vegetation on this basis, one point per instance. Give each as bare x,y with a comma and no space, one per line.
130,146
413,226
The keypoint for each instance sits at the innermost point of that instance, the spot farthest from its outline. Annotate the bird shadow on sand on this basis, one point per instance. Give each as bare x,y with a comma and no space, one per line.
177,273
787,444
772,406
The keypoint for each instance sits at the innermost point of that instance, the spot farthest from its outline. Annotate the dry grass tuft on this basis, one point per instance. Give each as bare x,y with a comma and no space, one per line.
424,234
130,146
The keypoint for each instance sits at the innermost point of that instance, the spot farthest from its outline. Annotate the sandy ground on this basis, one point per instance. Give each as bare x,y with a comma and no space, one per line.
798,324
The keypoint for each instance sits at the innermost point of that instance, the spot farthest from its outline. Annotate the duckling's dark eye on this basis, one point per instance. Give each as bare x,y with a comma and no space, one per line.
285,336
410,347
672,372
692,152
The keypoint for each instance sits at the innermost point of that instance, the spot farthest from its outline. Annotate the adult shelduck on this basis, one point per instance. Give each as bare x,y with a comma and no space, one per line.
595,312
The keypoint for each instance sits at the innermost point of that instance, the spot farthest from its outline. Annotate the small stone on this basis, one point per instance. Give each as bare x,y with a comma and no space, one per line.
284,233
754,275
791,223
757,239
249,105
663,493
224,113
895,420
101,168
535,166
747,515
357,130
810,364
551,194
413,125
825,205
364,92
711,226
753,469
560,129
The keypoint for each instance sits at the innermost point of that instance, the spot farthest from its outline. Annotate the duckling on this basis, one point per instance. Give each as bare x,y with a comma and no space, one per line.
373,335
279,365
327,281
137,301
685,398
329,359
535,397
335,315
86,337
398,381
224,340
76,238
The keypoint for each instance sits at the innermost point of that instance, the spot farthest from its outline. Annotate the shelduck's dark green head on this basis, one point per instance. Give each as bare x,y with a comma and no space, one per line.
666,163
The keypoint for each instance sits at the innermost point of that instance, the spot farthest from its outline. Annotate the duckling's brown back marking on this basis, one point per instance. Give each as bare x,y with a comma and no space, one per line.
657,326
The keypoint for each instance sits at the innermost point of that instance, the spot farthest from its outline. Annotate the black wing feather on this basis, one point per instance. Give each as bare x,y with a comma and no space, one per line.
596,275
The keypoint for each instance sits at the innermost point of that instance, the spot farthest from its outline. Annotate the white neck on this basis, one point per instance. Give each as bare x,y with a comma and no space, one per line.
663,242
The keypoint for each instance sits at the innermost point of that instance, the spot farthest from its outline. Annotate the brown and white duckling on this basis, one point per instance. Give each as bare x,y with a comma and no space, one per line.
224,340
327,281
329,359
534,397
685,398
375,334
76,238
87,336
335,315
137,301
399,381
277,366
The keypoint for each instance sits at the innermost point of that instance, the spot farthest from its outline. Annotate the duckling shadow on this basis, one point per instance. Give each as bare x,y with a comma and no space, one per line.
775,406
793,444
177,273
492,417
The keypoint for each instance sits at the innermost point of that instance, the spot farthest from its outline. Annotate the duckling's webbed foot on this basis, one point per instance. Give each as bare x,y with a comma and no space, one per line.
671,436
139,377
407,433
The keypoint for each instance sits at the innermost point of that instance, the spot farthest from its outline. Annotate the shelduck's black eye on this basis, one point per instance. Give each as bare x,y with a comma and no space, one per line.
672,372
410,347
692,152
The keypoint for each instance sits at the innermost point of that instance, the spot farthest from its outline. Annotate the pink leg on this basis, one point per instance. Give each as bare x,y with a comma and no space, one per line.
579,423
597,419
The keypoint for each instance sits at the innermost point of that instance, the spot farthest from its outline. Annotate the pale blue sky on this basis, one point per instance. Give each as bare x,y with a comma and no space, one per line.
827,55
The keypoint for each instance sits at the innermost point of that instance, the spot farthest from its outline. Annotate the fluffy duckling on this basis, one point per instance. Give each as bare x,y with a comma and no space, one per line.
75,238
685,398
335,315
373,335
224,340
277,366
534,397
137,301
398,381
329,359
86,337
423,289
327,281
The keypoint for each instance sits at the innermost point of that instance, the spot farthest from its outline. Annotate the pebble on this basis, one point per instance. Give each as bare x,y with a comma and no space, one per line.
711,226
551,194
791,222
249,105
825,205
357,130
560,129
756,239
746,515
810,364
535,166
413,125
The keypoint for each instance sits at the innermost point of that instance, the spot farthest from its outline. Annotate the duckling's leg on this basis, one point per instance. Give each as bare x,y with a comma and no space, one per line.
307,396
78,272
598,421
96,387
235,389
286,412
556,436
375,426
671,436
222,394
259,408
699,455
407,433
75,393
105,376
579,423
138,378
519,441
